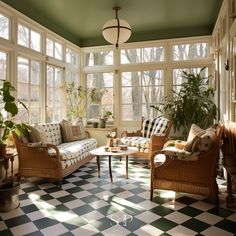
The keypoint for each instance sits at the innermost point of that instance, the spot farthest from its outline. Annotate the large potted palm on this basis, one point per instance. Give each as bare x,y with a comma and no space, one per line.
9,190
193,103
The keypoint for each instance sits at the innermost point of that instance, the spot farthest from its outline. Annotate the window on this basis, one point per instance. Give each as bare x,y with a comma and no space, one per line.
29,38
142,55
4,27
3,66
3,73
101,58
28,89
53,49
195,51
178,79
103,82
72,57
148,84
54,94
72,65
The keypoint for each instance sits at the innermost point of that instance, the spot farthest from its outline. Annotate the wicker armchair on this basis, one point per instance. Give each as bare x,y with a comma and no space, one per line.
195,176
151,137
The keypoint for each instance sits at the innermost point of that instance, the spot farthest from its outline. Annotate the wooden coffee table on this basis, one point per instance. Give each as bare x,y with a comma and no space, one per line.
101,152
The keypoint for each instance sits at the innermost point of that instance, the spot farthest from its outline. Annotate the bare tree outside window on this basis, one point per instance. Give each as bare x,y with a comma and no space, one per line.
141,89
4,27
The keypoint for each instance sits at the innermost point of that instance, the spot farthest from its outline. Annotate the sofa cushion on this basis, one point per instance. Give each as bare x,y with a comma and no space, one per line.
180,154
141,143
75,149
72,132
157,126
51,132
36,136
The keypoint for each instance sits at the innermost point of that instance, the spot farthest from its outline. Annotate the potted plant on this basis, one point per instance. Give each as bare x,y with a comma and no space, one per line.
103,118
8,111
193,103
9,190
76,96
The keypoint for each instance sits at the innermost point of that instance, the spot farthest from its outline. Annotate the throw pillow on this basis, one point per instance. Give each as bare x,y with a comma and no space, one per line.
194,130
72,132
36,135
200,140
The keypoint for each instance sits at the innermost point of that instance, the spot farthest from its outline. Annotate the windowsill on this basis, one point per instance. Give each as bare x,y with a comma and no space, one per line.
100,129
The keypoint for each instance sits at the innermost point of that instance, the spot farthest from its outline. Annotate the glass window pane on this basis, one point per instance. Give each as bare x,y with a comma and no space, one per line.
23,70
99,58
35,41
58,51
35,72
140,90
4,27
101,82
181,52
153,54
131,112
49,47
129,56
3,65
200,50
23,35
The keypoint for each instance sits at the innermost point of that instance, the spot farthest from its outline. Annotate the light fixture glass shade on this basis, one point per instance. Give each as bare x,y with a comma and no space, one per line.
116,31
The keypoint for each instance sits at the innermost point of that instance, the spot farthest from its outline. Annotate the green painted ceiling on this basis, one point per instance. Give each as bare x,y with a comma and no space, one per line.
81,21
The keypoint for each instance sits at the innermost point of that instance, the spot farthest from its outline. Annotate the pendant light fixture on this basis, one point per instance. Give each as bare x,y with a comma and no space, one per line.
116,31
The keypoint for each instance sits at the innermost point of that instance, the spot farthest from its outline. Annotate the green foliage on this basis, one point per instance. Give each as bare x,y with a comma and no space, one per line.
76,96
105,115
194,103
8,105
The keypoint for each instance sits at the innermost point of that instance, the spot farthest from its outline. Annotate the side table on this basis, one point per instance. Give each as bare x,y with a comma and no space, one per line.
4,161
101,152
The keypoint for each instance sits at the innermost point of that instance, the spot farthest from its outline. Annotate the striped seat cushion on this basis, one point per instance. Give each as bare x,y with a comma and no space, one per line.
157,125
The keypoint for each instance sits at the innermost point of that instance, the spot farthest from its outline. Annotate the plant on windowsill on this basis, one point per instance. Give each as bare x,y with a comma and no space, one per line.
76,96
193,103
103,118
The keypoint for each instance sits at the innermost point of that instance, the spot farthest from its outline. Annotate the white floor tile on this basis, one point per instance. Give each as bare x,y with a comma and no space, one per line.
177,217
54,230
181,231
148,230
214,231
209,218
24,229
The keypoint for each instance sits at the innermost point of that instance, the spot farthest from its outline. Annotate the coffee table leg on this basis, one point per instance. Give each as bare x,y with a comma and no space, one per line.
110,169
126,167
98,165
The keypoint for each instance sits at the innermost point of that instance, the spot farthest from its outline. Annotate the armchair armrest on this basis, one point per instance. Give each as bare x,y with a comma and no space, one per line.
131,133
87,134
157,142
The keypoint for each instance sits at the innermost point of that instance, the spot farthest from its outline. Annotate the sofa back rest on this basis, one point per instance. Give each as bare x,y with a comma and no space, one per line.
52,132
158,125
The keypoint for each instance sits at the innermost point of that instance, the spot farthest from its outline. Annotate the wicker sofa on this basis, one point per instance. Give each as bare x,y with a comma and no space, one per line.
52,157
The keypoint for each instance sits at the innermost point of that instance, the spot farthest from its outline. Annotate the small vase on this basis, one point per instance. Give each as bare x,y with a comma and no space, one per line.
95,124
102,123
109,142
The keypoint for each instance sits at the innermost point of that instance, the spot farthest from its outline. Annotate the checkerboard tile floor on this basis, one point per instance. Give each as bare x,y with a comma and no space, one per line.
87,205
